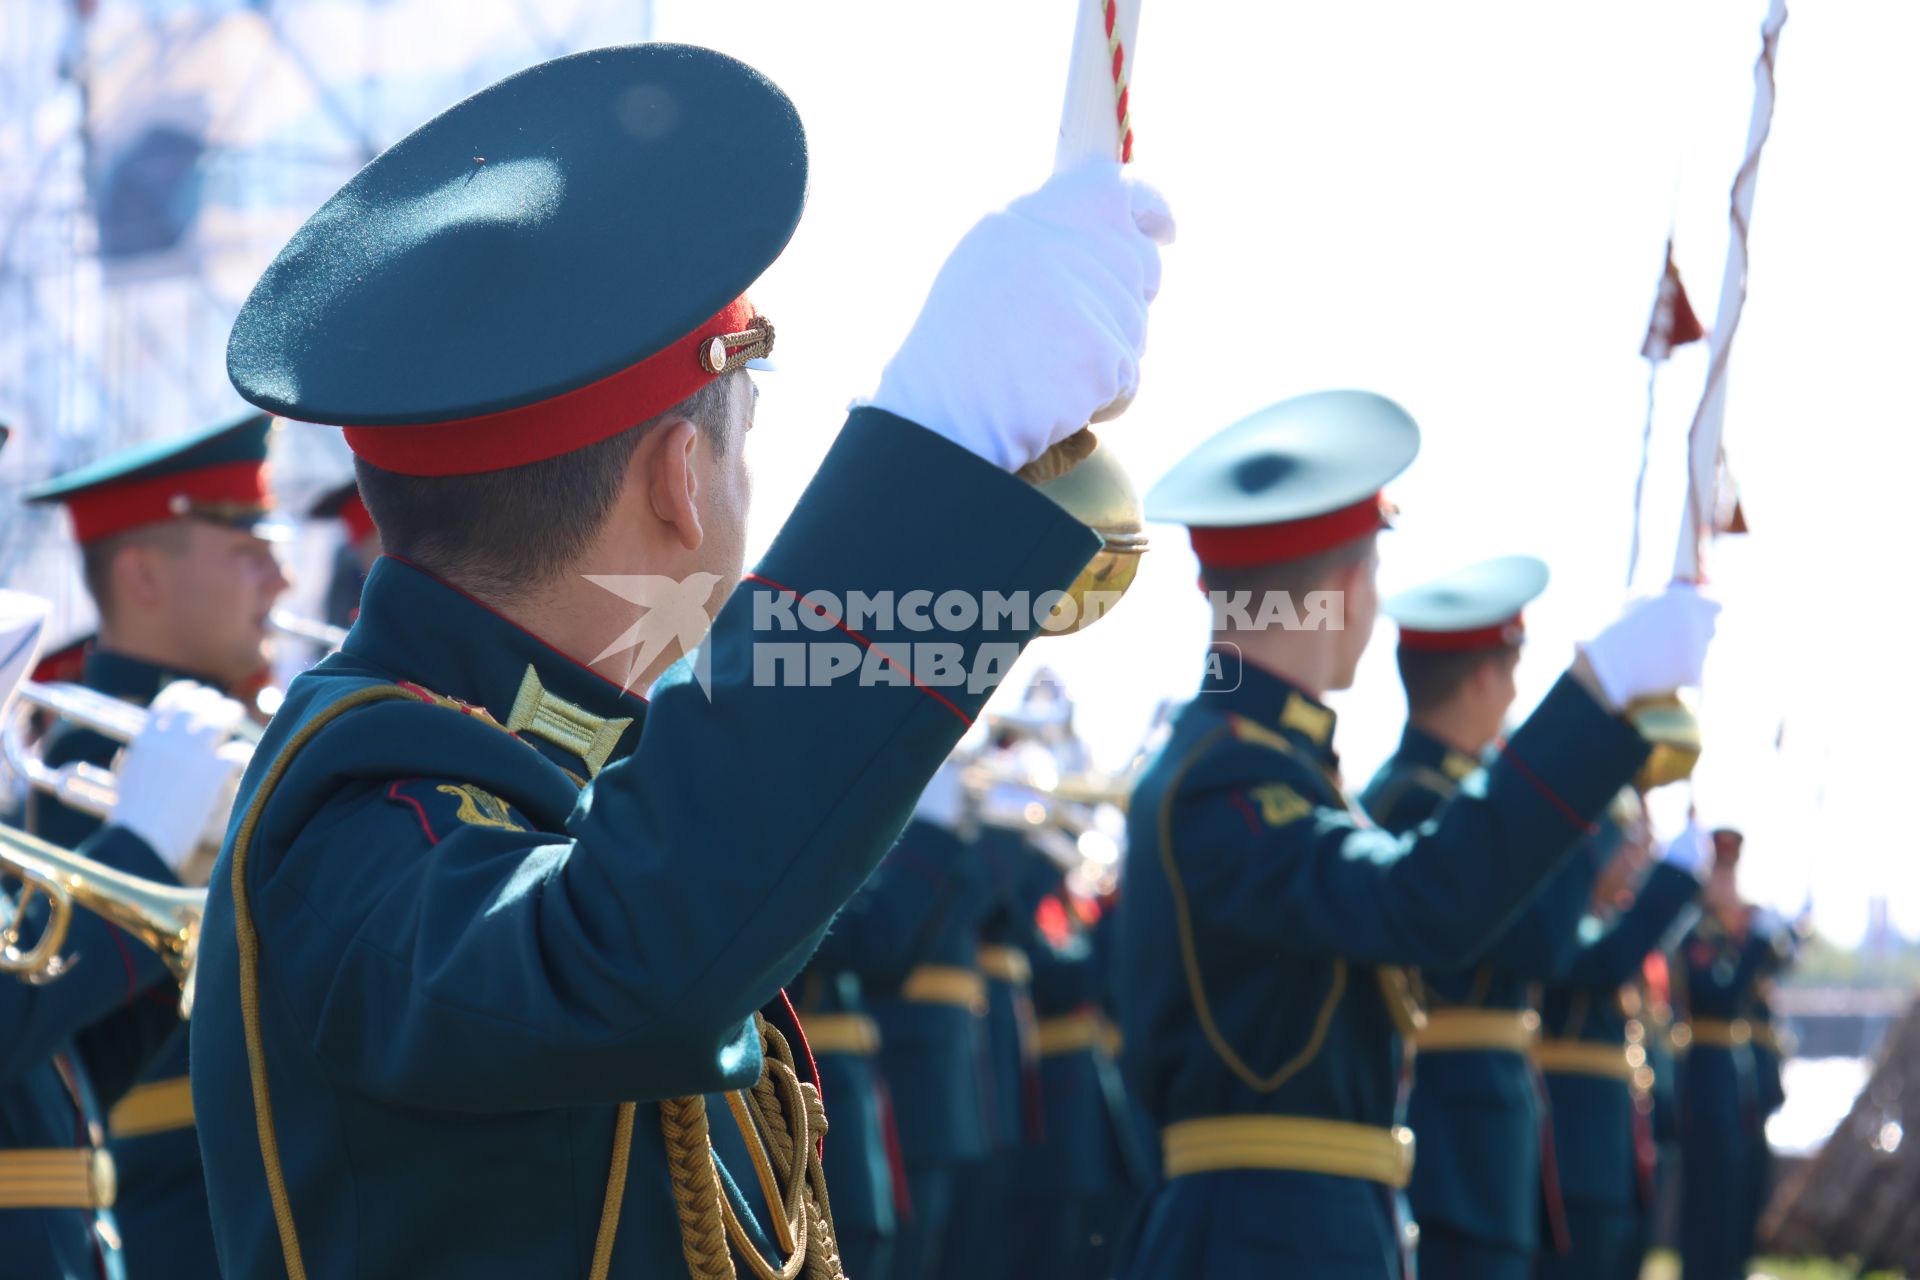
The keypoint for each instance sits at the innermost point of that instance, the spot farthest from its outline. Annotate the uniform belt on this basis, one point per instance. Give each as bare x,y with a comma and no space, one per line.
160,1107
1718,1033
946,984
1073,1033
1454,1030
852,1033
1589,1058
1768,1036
1006,964
1306,1145
56,1178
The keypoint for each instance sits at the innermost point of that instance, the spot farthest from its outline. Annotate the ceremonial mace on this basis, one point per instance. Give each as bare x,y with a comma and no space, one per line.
1081,473
1670,722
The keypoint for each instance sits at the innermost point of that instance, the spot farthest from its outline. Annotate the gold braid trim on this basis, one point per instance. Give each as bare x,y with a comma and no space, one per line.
782,1121
696,1188
247,947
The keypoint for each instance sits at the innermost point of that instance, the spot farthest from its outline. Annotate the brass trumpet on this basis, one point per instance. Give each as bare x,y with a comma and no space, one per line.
85,787
323,634
164,918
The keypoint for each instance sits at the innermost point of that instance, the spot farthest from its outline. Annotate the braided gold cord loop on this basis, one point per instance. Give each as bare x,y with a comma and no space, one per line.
782,1120
696,1188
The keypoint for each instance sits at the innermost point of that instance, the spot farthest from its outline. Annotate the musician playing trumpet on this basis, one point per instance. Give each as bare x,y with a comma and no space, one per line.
176,546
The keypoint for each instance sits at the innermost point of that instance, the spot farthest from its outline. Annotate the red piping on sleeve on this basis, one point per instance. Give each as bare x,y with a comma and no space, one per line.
886,657
1567,811
1241,803
393,793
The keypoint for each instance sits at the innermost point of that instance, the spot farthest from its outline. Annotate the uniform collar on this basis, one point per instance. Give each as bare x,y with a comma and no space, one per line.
426,631
132,679
1418,747
1239,688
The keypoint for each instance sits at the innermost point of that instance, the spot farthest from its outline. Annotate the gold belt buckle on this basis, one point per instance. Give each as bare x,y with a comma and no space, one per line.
103,1180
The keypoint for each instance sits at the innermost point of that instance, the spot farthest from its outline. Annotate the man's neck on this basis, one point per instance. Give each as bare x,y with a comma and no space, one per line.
585,620
144,645
1307,660
1455,727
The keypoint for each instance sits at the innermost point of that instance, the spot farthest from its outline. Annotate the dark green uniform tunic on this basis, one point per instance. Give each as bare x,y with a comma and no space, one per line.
68,1050
1477,1113
1776,947
932,893
162,1205
983,1194
1720,1131
860,1158
1259,939
467,962
1601,1134
1084,1164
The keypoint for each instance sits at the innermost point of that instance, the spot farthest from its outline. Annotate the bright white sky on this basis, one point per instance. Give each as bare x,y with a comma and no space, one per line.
1463,209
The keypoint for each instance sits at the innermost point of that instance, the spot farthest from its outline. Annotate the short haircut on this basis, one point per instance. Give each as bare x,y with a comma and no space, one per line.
498,533
97,557
1432,679
1293,577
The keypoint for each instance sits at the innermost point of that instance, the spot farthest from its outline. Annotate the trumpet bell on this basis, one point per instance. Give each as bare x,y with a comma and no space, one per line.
164,918
1099,494
1671,725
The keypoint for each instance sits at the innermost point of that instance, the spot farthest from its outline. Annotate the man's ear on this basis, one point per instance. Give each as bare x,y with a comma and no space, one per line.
1352,575
139,575
669,479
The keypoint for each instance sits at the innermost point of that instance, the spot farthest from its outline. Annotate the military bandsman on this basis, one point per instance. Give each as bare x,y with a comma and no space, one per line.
1475,1109
485,948
177,544
1265,927
1599,1056
353,558
72,1047
931,1007
1723,1140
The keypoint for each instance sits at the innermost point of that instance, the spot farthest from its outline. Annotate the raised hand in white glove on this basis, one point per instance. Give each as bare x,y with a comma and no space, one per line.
1691,851
944,802
1038,319
176,775
1656,646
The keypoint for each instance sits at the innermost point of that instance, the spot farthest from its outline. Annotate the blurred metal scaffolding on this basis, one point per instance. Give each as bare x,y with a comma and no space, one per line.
154,154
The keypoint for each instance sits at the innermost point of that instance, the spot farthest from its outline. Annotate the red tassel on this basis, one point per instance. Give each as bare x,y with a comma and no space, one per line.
1673,323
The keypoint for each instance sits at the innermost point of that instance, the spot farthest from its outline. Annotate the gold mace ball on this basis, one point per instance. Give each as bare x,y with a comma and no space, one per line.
1671,725
1097,492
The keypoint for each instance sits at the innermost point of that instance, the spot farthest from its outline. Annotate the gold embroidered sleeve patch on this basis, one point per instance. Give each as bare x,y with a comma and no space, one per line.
1280,804
480,808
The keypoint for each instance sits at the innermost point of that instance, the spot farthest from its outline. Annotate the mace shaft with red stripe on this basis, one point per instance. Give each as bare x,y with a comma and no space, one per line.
1096,122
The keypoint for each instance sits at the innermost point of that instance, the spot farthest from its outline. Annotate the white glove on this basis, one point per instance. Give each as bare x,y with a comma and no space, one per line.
1656,646
944,802
1038,319
175,776
1691,851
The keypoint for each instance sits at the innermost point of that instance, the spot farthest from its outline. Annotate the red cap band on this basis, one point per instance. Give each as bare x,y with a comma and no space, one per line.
548,428
355,518
1506,634
102,512
1247,545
